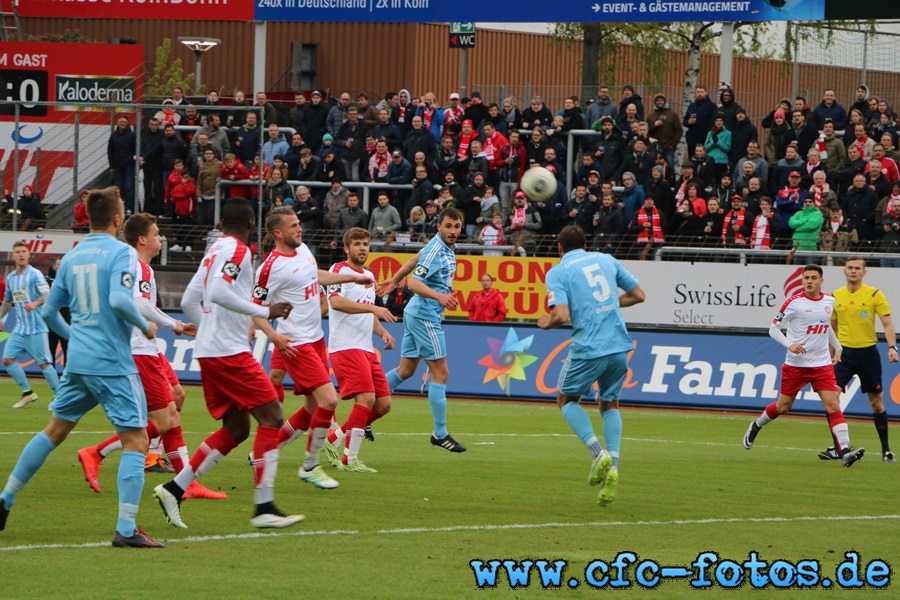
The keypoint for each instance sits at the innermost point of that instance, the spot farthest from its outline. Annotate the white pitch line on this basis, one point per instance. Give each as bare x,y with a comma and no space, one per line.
511,526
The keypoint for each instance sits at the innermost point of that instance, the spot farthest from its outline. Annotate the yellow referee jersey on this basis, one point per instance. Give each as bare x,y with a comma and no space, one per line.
855,315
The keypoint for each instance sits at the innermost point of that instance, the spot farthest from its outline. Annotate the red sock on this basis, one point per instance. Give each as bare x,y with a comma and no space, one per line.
321,419
152,430
99,447
771,411
211,451
266,441
299,421
358,418
172,440
374,415
280,390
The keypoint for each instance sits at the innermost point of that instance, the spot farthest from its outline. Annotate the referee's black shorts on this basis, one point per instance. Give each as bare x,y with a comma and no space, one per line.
864,362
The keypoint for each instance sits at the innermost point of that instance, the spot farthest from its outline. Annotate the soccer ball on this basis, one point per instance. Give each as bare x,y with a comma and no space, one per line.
539,184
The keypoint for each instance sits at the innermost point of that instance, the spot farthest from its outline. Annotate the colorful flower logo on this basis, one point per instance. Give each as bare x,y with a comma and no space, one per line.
508,359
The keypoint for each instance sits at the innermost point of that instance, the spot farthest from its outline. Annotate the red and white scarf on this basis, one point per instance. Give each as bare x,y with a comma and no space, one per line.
861,144
427,115
756,241
378,166
738,238
644,235
464,141
817,191
452,116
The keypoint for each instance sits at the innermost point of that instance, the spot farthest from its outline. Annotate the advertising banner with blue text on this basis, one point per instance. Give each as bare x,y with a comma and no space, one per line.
716,371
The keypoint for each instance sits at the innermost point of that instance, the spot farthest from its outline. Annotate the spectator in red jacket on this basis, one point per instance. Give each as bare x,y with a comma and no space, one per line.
489,305
235,171
173,180
184,199
82,224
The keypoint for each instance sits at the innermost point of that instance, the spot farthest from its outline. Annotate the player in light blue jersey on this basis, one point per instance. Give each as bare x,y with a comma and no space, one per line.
584,286
26,289
95,281
432,271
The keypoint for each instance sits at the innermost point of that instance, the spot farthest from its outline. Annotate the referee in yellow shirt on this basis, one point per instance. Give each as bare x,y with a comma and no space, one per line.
855,308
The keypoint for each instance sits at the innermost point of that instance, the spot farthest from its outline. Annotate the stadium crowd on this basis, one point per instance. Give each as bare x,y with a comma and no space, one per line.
820,177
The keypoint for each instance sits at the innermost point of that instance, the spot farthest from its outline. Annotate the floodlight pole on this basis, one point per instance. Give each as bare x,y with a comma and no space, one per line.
726,54
199,46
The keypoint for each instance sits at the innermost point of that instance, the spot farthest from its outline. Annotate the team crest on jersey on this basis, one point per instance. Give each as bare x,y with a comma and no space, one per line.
144,286
421,271
827,310
312,261
231,269
260,293
127,280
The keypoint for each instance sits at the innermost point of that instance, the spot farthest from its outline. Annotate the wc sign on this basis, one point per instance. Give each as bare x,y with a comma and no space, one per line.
462,35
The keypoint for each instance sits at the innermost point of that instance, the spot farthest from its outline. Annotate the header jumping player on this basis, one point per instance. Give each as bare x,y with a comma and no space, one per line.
807,317
290,275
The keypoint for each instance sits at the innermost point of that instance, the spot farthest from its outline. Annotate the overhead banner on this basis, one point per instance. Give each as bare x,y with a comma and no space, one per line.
607,11
716,295
725,371
74,74
187,10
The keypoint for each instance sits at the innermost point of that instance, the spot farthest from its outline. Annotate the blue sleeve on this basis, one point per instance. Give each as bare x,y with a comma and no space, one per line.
427,261
556,291
624,279
7,296
58,298
121,293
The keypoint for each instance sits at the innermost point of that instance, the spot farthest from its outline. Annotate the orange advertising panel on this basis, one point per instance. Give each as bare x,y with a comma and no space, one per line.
520,280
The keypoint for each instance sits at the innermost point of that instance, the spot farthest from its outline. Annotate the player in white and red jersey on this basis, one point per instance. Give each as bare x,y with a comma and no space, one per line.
807,317
290,274
353,318
142,233
235,386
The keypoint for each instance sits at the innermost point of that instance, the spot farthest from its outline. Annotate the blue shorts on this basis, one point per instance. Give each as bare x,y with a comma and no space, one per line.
35,346
121,396
578,375
423,339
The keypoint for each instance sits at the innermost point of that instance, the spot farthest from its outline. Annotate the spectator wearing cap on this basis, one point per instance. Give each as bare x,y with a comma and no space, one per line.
790,200
477,111
536,114
665,126
168,113
718,144
276,145
629,96
608,149
453,116
661,190
589,163
728,106
776,138
698,118
328,145
829,108
742,134
315,117
801,132
403,112
688,176
784,106
351,139
400,170
522,225
639,162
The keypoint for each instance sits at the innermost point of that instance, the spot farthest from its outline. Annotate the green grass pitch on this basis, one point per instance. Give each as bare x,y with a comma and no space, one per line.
410,531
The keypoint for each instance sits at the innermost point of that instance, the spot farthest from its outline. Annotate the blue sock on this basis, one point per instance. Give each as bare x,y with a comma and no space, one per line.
612,433
52,378
580,423
393,380
18,375
131,484
32,458
437,397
